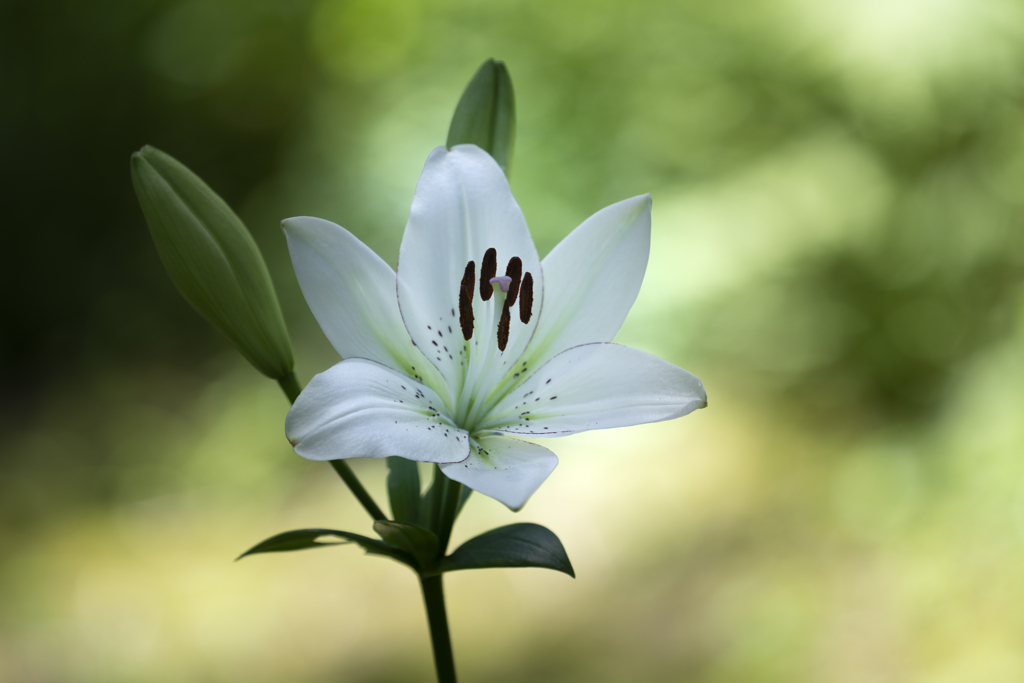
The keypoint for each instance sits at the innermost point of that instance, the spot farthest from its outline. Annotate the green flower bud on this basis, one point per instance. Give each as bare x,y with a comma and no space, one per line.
486,114
212,259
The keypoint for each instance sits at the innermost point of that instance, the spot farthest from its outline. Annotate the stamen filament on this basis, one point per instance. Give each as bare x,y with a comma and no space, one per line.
478,361
486,368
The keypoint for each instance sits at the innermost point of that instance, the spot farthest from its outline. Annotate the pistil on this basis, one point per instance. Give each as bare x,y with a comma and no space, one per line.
502,282
483,364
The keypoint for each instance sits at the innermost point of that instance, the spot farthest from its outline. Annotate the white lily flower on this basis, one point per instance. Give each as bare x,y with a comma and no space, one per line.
483,340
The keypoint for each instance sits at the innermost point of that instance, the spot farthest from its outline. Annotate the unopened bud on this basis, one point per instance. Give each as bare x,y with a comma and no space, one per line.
212,259
486,114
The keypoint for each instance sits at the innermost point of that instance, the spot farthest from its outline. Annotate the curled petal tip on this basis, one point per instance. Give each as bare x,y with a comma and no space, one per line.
293,224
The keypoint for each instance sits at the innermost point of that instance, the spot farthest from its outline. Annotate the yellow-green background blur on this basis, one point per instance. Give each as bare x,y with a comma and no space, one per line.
837,251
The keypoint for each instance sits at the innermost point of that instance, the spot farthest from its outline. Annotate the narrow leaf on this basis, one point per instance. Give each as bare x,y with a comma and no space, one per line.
415,540
404,489
486,114
301,539
515,545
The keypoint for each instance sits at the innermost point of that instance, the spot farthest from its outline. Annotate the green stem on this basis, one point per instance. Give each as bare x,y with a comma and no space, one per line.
290,386
437,617
443,510
449,510
437,491
350,478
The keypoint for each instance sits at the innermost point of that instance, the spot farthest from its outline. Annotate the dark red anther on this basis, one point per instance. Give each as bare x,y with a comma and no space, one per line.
526,299
488,269
503,325
466,301
514,271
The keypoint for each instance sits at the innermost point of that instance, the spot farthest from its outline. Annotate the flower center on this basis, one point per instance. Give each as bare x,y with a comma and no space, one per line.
514,284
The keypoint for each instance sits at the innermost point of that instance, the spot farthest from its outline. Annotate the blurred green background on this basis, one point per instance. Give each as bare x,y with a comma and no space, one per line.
837,252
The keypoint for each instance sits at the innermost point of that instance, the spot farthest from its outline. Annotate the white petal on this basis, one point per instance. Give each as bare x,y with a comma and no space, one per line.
360,409
506,469
592,278
351,292
597,386
463,206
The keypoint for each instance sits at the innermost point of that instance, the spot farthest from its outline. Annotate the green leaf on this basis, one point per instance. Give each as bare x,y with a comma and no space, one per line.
301,539
404,489
415,540
486,114
212,259
515,545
